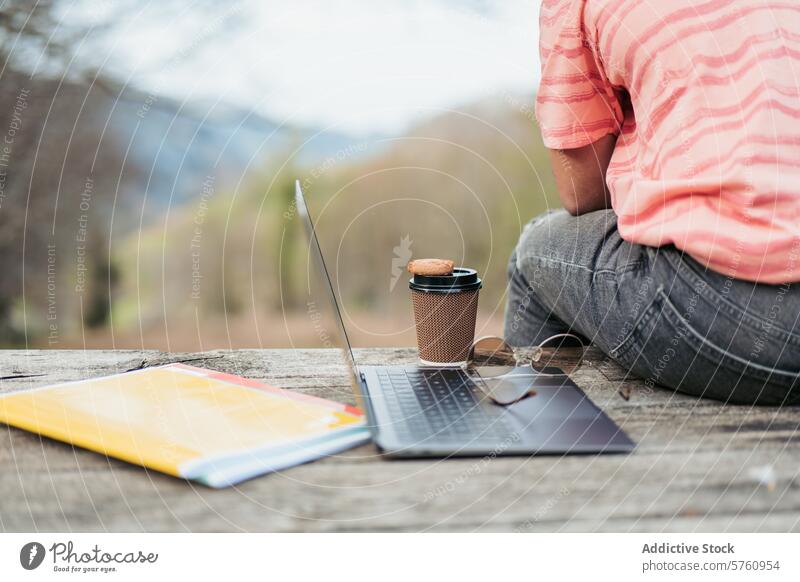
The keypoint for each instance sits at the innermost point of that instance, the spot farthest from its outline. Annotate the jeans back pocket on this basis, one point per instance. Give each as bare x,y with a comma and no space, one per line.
665,347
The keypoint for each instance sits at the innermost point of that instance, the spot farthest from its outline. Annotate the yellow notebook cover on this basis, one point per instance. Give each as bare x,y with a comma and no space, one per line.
188,422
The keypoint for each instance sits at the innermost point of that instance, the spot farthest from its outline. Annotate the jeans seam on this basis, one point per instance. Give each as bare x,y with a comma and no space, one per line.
623,270
556,261
727,359
646,315
628,267
688,274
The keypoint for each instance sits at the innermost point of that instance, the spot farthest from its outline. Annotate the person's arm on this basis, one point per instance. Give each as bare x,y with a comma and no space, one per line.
581,175
579,104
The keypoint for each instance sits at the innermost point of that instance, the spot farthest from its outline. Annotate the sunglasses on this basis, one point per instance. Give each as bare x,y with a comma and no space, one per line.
505,378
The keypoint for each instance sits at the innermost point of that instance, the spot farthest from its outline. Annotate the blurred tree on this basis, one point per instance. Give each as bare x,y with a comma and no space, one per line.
63,177
57,177
288,243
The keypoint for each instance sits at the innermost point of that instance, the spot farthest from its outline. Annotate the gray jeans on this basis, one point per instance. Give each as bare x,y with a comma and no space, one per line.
655,311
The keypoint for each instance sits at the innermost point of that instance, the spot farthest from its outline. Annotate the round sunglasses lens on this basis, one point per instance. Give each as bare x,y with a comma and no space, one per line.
491,351
561,355
492,371
514,385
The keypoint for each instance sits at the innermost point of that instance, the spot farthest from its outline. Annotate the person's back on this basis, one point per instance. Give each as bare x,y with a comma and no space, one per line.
689,112
708,153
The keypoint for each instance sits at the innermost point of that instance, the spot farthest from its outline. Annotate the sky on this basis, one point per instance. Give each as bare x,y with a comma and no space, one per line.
361,66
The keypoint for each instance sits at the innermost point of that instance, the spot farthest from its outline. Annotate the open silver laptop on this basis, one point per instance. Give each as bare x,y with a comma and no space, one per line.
420,411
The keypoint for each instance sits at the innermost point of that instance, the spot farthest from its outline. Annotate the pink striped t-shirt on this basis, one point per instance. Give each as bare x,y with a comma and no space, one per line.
704,98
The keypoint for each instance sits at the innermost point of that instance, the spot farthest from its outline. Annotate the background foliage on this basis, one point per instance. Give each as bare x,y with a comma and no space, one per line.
131,220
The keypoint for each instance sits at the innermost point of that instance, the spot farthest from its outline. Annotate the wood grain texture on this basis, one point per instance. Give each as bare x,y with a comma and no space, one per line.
699,465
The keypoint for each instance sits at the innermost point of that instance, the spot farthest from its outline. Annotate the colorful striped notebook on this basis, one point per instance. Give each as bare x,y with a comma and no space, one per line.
196,424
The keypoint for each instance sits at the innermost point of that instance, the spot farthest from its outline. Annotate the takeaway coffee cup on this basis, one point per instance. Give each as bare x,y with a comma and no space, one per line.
445,307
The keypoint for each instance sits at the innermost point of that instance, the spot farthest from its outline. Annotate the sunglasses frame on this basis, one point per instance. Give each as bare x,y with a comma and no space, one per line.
513,361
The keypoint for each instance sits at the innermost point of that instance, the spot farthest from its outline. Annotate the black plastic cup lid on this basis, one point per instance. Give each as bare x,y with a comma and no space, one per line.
458,281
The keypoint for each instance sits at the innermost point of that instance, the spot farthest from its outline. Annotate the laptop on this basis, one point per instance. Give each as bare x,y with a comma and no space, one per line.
425,411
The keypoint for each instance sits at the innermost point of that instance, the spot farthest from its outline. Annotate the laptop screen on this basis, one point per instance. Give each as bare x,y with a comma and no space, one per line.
319,260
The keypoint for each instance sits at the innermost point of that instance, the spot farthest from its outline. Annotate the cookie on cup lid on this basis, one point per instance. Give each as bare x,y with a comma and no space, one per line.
431,267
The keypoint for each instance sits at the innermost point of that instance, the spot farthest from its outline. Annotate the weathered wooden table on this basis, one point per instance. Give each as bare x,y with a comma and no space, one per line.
699,466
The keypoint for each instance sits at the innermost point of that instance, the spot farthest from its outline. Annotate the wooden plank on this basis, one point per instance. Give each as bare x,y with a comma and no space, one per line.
699,466
415,495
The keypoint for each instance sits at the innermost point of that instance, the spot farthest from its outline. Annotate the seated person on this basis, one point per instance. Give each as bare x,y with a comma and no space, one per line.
674,131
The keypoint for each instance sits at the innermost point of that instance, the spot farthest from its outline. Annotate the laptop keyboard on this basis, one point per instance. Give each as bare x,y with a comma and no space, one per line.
441,404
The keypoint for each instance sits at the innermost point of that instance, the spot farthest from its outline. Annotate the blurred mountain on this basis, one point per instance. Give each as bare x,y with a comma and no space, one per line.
177,146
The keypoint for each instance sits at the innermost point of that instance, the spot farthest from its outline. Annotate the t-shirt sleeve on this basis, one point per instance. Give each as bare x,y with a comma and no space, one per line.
576,104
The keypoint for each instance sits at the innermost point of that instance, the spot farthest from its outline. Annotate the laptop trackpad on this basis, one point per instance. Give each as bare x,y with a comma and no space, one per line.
561,417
